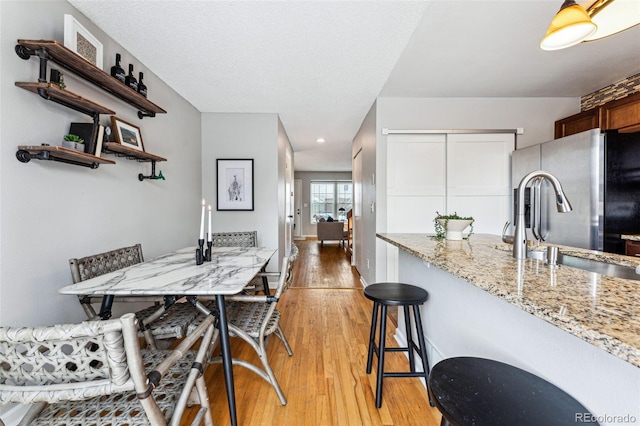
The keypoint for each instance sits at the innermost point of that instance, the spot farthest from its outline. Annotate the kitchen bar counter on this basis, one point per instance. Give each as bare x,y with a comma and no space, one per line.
601,310
579,330
631,237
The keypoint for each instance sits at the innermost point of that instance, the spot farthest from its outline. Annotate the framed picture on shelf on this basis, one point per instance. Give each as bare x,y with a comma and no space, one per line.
235,184
78,39
126,134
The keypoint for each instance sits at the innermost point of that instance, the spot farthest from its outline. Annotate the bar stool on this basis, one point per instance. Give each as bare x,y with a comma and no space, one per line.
478,391
396,294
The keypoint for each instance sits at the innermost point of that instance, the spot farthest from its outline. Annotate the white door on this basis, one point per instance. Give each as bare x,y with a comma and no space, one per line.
297,200
416,187
479,178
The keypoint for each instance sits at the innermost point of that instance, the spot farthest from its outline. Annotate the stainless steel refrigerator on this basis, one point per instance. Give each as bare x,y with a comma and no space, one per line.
600,175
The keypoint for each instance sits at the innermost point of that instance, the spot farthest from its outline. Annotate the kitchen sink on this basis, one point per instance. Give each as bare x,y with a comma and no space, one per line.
603,268
590,265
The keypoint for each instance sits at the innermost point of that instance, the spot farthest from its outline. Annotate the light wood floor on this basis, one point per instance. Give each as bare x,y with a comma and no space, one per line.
326,319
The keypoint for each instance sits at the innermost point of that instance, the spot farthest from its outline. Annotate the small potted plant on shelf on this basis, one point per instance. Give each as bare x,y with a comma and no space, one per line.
451,226
74,142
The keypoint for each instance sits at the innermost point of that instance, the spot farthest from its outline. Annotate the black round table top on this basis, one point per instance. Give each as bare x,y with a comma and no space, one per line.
478,391
396,294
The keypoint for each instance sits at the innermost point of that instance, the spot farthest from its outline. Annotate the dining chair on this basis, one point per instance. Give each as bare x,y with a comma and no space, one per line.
94,372
99,264
254,318
235,239
242,239
156,322
173,320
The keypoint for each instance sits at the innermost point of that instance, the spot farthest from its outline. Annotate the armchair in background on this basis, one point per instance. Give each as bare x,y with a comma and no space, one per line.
331,231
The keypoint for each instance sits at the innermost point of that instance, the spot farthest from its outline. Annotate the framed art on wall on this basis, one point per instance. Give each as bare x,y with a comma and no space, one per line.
81,41
126,134
235,184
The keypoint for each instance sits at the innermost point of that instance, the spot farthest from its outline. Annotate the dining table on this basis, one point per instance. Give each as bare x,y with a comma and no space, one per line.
177,274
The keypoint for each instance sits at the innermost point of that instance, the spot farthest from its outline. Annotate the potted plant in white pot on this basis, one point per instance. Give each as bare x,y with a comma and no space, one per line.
74,142
452,226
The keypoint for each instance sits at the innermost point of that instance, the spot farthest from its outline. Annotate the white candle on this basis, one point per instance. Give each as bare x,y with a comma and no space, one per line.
202,221
209,234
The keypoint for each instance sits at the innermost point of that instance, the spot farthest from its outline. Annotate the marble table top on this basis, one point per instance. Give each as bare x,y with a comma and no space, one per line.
602,310
229,270
630,237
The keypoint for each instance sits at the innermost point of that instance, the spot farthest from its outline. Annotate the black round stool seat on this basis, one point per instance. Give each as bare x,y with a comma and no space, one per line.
396,294
478,391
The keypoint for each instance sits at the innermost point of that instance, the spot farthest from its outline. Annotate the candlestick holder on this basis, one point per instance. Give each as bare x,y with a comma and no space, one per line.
200,252
207,253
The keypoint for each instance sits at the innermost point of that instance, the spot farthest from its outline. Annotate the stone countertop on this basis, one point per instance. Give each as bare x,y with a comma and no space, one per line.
630,237
601,310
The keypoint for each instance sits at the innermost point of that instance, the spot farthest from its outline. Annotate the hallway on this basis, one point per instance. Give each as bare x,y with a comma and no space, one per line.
326,319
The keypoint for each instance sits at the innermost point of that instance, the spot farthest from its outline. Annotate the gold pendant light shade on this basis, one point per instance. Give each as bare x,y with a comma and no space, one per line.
570,26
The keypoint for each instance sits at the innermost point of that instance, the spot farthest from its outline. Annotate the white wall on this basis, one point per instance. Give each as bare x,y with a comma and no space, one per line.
285,180
308,228
51,211
365,226
248,136
535,115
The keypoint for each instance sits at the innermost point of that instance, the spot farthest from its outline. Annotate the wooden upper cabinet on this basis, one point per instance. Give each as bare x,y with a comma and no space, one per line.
585,120
622,114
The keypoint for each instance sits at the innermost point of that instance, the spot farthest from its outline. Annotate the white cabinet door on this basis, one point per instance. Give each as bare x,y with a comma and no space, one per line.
416,181
479,178
464,173
416,187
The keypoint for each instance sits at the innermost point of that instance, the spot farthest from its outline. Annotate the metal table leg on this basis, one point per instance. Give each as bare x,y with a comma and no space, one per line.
227,361
105,307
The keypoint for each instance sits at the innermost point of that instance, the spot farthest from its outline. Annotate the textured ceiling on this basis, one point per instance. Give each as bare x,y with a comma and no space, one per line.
321,64
318,64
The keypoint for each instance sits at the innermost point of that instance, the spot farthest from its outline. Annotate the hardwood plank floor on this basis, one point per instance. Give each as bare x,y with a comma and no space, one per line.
325,381
324,266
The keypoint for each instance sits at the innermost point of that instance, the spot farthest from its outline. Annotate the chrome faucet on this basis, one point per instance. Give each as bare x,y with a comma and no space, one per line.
562,203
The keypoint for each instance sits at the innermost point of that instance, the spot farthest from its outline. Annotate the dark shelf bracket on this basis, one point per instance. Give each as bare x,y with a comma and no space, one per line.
143,114
153,175
26,53
25,156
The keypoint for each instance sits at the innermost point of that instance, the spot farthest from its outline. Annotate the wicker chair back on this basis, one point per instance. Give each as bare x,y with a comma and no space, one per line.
94,373
235,239
66,362
99,264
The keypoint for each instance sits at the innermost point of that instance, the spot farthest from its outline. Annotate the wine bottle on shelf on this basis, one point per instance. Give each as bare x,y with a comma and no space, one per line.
117,71
142,89
130,80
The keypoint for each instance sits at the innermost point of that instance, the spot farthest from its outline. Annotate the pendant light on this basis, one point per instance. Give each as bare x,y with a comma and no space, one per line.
611,16
570,26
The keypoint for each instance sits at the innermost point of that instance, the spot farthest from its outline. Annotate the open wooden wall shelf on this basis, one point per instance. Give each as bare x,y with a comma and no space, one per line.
125,151
26,153
53,50
75,63
66,97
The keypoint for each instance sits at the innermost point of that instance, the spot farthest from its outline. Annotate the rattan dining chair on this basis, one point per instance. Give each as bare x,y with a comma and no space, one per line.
94,373
235,239
241,239
254,318
157,321
99,264
172,321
